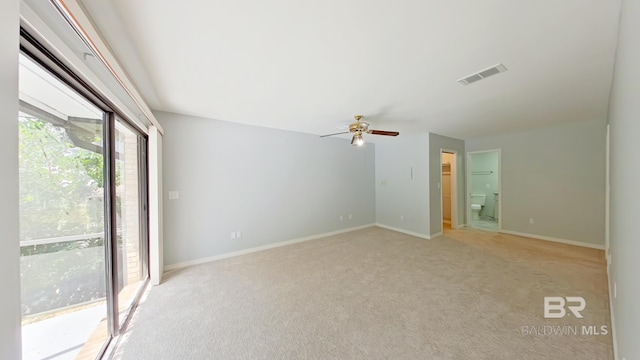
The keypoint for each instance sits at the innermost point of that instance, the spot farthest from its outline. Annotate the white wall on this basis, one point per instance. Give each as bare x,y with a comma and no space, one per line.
437,142
9,242
625,180
487,184
555,175
402,201
272,185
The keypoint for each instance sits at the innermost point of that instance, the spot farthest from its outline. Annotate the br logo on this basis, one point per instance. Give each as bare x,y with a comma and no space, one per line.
554,306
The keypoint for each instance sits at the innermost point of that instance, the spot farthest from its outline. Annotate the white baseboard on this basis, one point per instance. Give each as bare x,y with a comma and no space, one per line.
613,319
259,248
548,238
423,236
433,236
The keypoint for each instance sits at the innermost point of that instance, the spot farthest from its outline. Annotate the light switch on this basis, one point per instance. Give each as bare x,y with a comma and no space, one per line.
233,235
488,186
238,234
174,195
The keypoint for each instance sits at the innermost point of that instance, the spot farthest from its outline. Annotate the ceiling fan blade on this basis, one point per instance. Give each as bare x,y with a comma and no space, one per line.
340,133
382,132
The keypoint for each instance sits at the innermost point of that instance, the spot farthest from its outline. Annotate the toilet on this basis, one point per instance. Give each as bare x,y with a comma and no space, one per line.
477,203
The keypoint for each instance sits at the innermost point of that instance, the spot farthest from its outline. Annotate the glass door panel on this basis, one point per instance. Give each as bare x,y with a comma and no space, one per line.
130,216
62,219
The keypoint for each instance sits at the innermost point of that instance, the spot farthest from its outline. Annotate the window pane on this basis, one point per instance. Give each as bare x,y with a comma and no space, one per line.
61,219
131,240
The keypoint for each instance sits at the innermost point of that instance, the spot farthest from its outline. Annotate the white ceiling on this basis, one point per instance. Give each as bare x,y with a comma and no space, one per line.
309,66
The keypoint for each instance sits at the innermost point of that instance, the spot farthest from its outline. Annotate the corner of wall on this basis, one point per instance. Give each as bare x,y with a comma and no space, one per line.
402,183
625,194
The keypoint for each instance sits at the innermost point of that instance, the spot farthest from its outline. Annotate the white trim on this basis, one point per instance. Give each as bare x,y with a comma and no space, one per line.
438,234
558,240
154,154
423,236
607,199
613,318
260,248
607,234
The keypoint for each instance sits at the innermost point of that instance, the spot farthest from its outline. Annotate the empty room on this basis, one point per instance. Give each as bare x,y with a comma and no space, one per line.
319,180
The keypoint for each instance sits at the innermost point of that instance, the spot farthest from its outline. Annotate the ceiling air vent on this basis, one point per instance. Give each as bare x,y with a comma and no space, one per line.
482,74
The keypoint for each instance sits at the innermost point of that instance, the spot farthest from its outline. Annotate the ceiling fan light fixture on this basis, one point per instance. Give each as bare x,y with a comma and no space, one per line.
358,128
357,139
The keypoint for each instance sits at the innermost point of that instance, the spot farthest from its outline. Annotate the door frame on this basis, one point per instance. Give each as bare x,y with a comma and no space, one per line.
468,178
607,198
455,224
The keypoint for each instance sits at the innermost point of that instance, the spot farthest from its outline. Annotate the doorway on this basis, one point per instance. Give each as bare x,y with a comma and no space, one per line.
484,203
449,189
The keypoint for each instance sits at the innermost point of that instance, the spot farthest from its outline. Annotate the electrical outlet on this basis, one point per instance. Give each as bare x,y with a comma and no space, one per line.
488,186
238,234
531,221
401,217
233,235
341,217
350,217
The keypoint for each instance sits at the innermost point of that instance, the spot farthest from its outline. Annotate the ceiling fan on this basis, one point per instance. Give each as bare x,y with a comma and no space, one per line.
360,127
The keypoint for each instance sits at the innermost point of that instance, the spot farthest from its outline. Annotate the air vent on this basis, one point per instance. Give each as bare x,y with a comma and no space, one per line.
482,74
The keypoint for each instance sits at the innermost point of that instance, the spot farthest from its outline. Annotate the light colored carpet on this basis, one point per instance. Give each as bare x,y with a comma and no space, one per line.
376,294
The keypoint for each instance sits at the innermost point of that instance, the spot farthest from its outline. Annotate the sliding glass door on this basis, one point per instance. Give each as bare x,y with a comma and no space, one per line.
131,213
83,217
62,247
